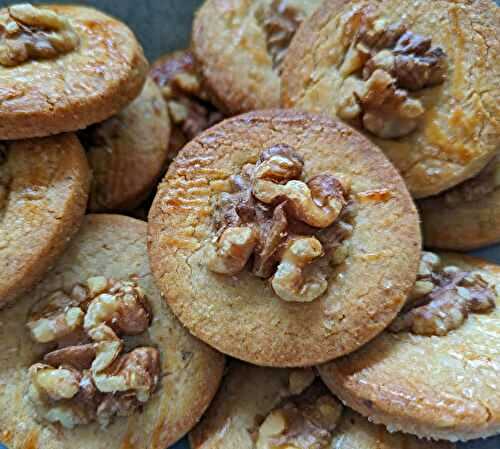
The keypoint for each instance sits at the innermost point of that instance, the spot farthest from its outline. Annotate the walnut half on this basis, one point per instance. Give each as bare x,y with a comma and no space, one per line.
443,298
28,32
382,66
89,377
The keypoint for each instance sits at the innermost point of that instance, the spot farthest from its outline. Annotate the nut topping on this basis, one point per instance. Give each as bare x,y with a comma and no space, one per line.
89,377
28,32
289,282
381,66
274,216
280,22
443,298
304,422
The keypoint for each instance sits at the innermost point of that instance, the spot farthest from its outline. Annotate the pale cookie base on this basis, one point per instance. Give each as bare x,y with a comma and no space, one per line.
460,130
132,155
111,246
435,387
44,209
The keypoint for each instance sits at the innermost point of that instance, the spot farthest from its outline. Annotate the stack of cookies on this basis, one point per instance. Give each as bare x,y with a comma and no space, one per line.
278,296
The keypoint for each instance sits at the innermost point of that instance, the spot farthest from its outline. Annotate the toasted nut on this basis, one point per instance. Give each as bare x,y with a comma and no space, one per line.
273,425
58,383
289,282
79,357
300,379
232,250
34,33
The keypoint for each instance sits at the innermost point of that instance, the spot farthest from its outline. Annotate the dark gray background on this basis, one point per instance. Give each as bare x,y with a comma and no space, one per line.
165,25
161,25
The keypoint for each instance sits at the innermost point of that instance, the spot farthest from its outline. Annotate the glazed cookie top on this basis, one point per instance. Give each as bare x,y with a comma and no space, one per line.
466,216
451,321
63,68
262,408
241,44
128,152
419,78
99,359
269,220
44,186
188,103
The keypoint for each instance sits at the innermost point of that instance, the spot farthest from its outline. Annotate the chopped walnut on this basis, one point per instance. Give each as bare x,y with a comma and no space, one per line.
89,377
28,32
290,282
280,21
300,379
443,298
274,216
383,63
188,104
304,422
232,250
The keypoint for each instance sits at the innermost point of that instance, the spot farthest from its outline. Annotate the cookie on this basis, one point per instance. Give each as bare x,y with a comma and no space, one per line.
467,216
269,220
240,46
63,68
418,78
435,373
44,185
128,152
265,408
189,107
93,356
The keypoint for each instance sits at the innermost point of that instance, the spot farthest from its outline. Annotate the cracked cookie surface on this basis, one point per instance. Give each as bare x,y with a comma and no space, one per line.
240,45
109,247
63,87
264,408
467,216
435,386
128,152
240,314
455,131
44,185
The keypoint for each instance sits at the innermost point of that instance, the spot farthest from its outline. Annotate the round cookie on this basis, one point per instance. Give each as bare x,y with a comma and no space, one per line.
418,78
113,247
63,68
246,414
44,185
436,372
189,107
128,152
467,216
321,310
240,46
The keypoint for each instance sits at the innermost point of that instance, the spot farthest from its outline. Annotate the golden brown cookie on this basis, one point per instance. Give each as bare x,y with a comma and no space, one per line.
189,107
63,68
466,216
128,152
240,45
263,228
419,78
436,372
44,185
263,408
101,295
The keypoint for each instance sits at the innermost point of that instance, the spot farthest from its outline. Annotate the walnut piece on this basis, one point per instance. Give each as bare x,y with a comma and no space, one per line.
443,298
381,66
28,32
188,104
274,216
290,282
280,21
305,423
89,377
